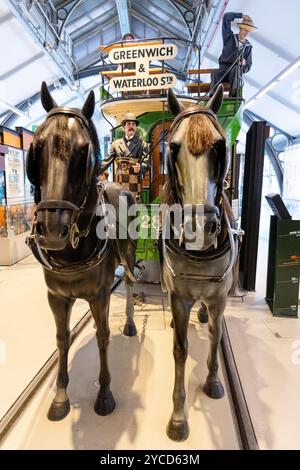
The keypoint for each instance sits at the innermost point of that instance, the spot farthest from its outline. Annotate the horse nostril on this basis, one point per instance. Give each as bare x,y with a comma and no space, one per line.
64,232
39,228
213,228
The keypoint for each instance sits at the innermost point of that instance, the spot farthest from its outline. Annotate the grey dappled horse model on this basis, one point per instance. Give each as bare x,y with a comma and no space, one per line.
197,166
63,165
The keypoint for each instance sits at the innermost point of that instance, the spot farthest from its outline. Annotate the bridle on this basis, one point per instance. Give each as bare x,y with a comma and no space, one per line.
171,247
74,232
186,113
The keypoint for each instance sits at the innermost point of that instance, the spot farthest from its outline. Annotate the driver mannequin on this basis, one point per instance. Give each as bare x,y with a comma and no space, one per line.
130,154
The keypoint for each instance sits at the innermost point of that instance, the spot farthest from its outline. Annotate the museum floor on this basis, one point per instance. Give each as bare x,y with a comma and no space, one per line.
142,372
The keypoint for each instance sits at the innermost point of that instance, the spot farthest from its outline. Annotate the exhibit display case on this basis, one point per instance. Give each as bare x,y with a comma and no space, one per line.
16,196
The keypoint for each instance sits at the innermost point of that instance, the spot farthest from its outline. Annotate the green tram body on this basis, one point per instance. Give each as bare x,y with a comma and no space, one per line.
229,117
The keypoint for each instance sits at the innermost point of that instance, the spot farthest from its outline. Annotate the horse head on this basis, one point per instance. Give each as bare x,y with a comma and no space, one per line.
62,164
197,162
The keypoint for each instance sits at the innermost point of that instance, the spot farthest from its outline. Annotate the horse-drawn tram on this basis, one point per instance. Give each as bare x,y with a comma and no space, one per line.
188,163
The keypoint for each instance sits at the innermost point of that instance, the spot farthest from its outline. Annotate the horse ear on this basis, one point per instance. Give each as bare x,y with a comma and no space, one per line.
90,165
89,106
216,100
31,166
47,101
175,107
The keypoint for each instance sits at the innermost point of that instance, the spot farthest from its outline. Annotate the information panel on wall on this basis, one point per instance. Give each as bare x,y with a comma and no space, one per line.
2,188
14,176
29,192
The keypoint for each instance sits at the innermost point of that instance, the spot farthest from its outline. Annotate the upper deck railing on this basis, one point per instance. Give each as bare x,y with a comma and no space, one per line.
129,70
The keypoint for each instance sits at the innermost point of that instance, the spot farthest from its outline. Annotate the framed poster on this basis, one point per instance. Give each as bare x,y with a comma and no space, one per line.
2,188
29,189
14,176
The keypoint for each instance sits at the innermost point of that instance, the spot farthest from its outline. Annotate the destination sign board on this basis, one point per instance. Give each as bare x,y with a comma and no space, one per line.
142,54
149,82
140,57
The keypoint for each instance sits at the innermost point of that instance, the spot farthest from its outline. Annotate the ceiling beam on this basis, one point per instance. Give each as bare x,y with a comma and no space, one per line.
161,27
64,103
89,12
259,118
84,33
273,48
6,18
184,4
63,4
89,60
123,15
264,90
182,16
21,66
44,35
196,29
165,12
14,109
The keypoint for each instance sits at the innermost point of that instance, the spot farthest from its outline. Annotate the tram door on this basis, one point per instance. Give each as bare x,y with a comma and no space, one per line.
158,139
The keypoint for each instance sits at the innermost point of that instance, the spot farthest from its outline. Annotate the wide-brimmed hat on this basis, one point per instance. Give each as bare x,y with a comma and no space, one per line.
130,117
248,25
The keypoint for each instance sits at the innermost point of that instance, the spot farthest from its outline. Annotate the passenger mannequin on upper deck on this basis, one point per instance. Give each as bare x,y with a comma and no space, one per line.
131,65
234,46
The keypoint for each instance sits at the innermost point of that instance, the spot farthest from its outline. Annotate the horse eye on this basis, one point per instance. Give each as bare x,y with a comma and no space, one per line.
174,147
83,151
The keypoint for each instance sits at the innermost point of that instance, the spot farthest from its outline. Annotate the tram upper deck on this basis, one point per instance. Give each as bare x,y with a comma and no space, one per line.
137,74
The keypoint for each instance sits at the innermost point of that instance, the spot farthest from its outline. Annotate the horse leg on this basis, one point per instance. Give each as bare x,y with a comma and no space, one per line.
129,328
177,428
105,403
202,314
61,308
213,386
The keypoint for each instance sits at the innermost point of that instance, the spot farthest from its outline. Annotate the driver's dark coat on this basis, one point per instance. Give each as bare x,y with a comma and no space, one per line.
134,148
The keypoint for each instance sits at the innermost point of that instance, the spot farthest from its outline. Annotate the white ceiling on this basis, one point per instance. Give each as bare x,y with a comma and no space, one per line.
275,46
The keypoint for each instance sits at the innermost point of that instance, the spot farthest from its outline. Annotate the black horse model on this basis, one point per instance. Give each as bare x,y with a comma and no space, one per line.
197,166
63,165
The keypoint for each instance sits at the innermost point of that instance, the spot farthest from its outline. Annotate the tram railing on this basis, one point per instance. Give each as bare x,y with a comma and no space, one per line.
192,79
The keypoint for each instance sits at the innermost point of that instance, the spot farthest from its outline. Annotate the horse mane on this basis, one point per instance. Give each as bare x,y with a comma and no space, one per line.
63,138
199,139
168,195
200,136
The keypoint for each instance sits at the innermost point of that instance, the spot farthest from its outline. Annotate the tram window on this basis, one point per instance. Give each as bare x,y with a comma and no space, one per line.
163,145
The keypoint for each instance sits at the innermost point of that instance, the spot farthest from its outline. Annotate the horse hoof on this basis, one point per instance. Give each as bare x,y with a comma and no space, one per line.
58,411
203,317
130,329
172,323
214,389
105,405
178,430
